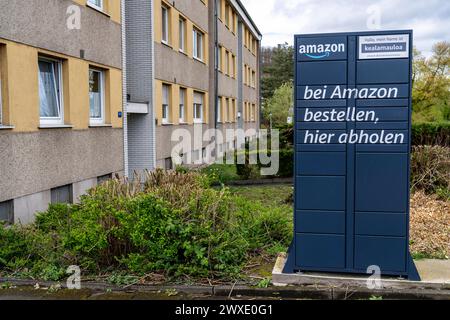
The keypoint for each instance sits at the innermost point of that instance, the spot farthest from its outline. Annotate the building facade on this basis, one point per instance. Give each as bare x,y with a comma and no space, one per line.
191,66
60,101
93,88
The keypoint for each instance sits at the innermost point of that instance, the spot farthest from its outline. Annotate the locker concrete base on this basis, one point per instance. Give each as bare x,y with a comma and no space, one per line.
352,283
290,268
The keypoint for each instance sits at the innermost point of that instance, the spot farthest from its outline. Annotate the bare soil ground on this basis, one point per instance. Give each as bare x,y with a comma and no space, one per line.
429,226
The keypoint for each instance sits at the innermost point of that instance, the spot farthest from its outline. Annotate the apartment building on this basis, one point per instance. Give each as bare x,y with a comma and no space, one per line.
191,65
60,101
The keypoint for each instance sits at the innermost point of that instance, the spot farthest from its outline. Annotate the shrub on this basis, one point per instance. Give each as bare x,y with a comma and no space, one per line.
430,168
169,222
433,133
286,163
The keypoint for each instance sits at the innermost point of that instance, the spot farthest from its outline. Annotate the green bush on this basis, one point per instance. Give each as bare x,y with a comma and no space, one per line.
170,222
221,173
431,133
286,163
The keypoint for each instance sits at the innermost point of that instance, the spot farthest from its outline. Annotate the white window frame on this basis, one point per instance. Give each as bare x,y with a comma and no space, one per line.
196,117
227,15
1,98
219,109
219,9
227,62
165,108
101,120
219,58
57,73
95,6
182,34
195,34
165,24
182,105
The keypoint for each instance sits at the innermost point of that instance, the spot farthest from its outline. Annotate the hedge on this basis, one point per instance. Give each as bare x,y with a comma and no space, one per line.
431,134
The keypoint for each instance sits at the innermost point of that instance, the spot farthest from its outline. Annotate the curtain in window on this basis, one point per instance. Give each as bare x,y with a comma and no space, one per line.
95,96
182,102
48,95
166,99
198,105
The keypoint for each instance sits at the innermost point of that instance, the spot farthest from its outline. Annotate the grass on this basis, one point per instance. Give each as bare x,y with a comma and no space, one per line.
221,173
273,195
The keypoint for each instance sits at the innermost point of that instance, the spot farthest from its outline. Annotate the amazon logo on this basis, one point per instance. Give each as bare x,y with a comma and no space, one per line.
321,51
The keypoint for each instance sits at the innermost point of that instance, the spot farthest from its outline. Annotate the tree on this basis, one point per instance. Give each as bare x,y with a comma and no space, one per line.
280,105
431,85
277,68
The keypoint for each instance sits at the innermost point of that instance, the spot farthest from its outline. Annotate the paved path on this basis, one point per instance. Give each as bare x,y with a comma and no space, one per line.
434,271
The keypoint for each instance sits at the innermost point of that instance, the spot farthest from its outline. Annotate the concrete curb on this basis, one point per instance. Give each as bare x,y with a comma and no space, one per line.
304,291
355,287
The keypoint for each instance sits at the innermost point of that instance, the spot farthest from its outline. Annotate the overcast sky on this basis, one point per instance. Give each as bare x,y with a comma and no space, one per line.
279,20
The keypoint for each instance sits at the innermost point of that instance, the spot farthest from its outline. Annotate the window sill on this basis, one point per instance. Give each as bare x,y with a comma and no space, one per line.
183,52
98,9
55,126
6,127
104,125
183,123
166,44
199,60
167,124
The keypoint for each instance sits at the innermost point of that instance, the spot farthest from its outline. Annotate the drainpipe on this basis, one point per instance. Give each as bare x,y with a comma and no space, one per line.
216,71
124,91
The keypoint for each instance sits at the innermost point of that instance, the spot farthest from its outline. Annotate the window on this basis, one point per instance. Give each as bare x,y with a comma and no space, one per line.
62,194
227,62
198,44
182,105
97,4
168,164
233,110
182,34
233,21
219,9
227,109
165,24
96,96
233,66
245,75
227,15
198,107
1,88
253,79
50,91
103,179
219,59
165,103
7,211
219,109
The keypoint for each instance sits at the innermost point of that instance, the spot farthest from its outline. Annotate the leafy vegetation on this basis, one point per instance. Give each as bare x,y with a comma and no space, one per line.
277,68
431,85
431,134
169,223
279,106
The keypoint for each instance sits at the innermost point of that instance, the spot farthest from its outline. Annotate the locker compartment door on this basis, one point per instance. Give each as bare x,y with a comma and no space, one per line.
389,253
321,193
381,182
320,251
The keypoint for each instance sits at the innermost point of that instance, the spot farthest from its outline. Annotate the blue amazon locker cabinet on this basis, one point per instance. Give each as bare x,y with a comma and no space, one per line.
352,143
